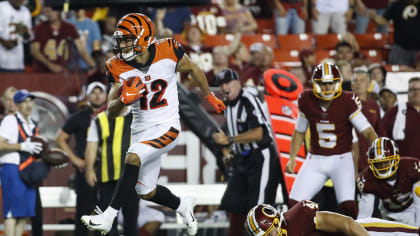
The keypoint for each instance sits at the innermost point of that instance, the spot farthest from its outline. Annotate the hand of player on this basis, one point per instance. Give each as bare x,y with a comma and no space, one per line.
216,103
129,94
290,166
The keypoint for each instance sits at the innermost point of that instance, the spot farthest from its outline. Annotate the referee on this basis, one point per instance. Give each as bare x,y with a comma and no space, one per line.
247,141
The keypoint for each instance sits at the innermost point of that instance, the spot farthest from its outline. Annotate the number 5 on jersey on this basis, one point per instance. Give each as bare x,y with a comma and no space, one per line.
157,87
326,136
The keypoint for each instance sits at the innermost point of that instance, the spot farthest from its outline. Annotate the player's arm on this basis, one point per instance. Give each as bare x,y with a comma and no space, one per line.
355,151
62,138
297,140
115,105
366,205
81,49
362,125
186,65
334,223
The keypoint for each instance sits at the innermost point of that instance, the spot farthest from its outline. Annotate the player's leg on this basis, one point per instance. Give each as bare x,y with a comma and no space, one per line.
130,213
9,226
379,227
342,176
309,181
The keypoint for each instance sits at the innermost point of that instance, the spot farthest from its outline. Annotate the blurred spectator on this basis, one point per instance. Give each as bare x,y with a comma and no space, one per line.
238,18
203,55
52,44
344,51
15,27
18,198
220,62
260,9
377,73
388,98
261,60
307,58
402,122
362,17
100,73
90,36
345,69
108,28
174,18
404,14
334,14
77,124
209,18
241,56
359,59
360,86
290,15
7,101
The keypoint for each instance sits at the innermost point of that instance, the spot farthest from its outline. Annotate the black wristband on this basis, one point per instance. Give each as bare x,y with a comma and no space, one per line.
230,140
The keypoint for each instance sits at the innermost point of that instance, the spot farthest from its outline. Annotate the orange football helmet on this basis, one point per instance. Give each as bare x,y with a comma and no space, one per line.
383,158
264,220
327,73
138,28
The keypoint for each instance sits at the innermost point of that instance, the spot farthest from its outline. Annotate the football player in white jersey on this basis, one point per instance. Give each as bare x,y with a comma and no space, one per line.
144,76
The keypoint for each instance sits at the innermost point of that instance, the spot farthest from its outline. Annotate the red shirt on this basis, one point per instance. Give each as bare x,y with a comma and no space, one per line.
56,47
395,198
371,111
408,146
376,4
331,130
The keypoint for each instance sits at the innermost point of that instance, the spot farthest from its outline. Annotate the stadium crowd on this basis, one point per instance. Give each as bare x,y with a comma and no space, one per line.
344,47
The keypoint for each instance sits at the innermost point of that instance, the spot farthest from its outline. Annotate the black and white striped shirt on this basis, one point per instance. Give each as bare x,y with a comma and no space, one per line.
245,113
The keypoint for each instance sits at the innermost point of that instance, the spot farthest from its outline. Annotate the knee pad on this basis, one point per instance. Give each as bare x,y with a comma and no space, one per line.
292,202
349,208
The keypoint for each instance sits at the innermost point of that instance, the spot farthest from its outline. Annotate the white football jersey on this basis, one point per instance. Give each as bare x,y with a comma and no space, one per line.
12,59
160,103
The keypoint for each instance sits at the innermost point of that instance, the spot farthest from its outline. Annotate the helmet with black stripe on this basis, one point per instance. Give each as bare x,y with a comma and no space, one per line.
383,158
326,81
137,31
264,220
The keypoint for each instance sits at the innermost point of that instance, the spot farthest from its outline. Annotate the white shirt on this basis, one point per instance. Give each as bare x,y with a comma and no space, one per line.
330,6
9,130
12,59
93,132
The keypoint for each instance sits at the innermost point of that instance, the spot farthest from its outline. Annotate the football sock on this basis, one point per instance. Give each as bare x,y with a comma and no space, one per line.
165,197
125,184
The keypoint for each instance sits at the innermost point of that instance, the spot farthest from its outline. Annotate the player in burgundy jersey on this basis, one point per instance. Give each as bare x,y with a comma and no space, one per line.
304,219
330,114
394,179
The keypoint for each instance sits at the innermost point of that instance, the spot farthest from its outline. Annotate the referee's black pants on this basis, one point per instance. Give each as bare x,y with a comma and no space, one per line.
130,208
254,180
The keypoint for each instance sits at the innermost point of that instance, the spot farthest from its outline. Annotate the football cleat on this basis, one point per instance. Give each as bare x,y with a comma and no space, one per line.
99,222
186,210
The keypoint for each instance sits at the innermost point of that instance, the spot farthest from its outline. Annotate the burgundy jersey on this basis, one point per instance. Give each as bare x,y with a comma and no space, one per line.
371,111
331,130
203,57
210,19
55,46
300,219
398,197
